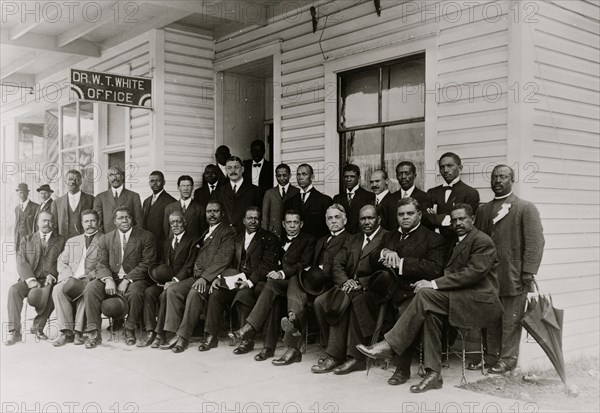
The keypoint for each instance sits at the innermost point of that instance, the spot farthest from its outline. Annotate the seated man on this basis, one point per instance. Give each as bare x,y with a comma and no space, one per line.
350,274
179,254
255,256
187,299
78,260
36,266
295,252
467,294
123,259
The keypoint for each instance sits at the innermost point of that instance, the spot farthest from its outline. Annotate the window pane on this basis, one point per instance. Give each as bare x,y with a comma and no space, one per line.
69,159
86,123
359,98
363,148
86,159
116,124
405,143
403,91
69,126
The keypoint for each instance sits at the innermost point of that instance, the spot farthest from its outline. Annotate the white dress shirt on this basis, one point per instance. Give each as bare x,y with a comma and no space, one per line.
256,170
121,274
74,200
379,197
306,191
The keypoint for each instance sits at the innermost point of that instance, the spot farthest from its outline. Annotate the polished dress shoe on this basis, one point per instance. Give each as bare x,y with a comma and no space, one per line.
291,325
146,341
326,366
64,338
129,337
500,368
13,337
209,342
432,380
350,365
247,332
477,366
399,377
170,344
39,334
244,347
290,356
264,354
180,346
381,350
159,340
94,339
78,339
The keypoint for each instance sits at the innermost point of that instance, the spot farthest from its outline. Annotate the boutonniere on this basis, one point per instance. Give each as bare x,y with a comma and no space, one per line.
502,213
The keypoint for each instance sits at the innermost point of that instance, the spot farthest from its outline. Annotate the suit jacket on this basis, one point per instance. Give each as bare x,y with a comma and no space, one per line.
312,211
272,208
183,259
47,207
260,257
330,250
202,195
236,203
214,254
24,222
70,258
265,179
519,240
461,193
153,219
139,254
221,177
32,261
388,211
417,194
298,256
60,210
195,216
361,198
105,205
471,282
352,261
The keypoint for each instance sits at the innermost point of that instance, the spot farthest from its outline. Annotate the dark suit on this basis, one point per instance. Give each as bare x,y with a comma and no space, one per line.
153,219
60,210
467,294
221,177
202,195
416,194
195,217
272,208
361,198
297,257
461,193
33,261
24,222
105,205
388,211
519,239
45,207
236,203
139,254
256,263
312,212
186,305
265,179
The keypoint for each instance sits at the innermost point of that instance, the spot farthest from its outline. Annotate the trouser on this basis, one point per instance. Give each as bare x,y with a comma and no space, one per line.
64,309
152,306
504,337
218,301
266,310
185,306
16,294
297,299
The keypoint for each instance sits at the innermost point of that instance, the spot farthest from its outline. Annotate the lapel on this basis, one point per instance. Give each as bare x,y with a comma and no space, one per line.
461,246
29,209
412,242
111,196
37,250
253,243
319,245
293,244
216,232
239,246
371,245
51,241
93,245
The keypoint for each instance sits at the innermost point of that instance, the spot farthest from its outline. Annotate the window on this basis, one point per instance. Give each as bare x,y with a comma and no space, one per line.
381,118
77,143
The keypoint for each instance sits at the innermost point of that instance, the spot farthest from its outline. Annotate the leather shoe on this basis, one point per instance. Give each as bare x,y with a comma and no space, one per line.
291,325
159,340
209,342
350,365
181,345
64,338
39,335
500,368
264,354
146,341
78,339
477,366
326,366
432,380
247,332
290,356
170,344
244,347
94,339
129,337
399,377
381,350
13,337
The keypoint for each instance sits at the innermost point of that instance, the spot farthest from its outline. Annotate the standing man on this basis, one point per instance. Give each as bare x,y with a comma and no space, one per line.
221,155
78,261
467,294
210,183
258,170
24,213
406,173
516,229
310,202
385,201
194,212
354,197
117,196
443,197
123,259
36,267
272,207
154,210
46,206
67,209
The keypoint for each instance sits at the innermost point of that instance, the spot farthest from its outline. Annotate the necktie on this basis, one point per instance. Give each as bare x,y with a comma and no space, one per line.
212,188
282,192
376,201
153,199
304,196
116,197
367,240
176,244
403,236
235,188
448,190
44,242
256,165
124,242
183,207
404,194
88,241
350,194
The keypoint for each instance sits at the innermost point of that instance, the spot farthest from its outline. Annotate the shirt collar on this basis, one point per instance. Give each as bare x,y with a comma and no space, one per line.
127,234
372,235
178,237
451,184
382,195
335,234
75,195
186,201
157,195
409,191
503,196
118,190
460,238
286,187
238,183
412,230
259,162
91,235
48,235
25,203
291,238
353,190
308,189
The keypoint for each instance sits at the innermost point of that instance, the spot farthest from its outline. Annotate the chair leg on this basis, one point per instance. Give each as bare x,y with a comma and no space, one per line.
481,338
463,337
446,362
421,371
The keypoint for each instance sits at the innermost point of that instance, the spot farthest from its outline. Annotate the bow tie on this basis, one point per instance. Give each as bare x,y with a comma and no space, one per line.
257,165
287,240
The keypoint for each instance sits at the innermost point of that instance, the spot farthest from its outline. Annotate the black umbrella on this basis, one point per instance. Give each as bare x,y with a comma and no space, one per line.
544,324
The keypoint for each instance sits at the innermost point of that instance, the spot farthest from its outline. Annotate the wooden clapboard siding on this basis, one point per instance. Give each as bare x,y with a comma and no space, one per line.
189,106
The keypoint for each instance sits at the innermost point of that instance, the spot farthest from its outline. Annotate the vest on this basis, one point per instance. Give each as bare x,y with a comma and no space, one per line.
73,220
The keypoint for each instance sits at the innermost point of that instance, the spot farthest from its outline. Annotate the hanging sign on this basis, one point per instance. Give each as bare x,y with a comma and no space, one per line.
112,88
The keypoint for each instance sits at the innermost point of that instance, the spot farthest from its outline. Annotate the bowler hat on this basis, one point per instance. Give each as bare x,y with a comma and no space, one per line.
313,280
161,273
336,304
45,187
73,288
38,297
115,307
383,283
23,187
